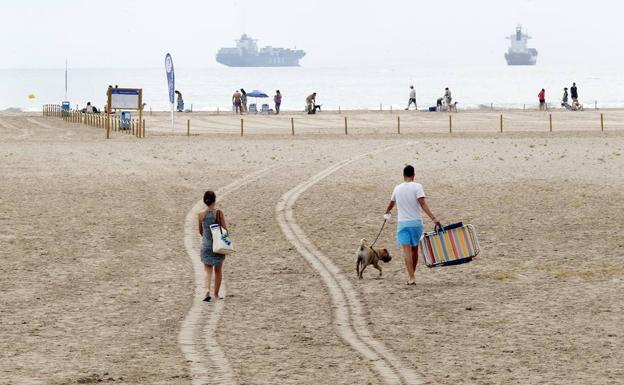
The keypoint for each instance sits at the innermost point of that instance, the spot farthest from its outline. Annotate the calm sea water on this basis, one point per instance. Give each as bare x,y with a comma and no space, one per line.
350,88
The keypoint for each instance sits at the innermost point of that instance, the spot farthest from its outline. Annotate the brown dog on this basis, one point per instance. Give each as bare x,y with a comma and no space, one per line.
366,255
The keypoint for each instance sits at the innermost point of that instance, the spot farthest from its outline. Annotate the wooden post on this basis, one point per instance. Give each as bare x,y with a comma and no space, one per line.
524,107
140,121
601,122
595,105
346,126
450,124
491,106
501,122
399,125
339,110
107,127
391,108
292,126
241,127
550,119
188,127
380,107
143,130
217,110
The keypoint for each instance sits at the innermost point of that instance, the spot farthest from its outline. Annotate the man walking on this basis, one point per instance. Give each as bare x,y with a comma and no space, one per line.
412,99
237,102
311,103
409,197
574,93
448,98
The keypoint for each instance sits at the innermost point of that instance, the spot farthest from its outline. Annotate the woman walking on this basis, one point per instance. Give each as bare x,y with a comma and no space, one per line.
277,99
542,100
211,260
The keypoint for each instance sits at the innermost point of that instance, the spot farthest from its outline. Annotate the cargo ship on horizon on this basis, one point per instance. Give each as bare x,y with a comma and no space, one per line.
519,54
247,54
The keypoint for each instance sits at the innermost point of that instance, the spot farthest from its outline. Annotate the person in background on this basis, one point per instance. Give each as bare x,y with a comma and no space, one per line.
448,98
311,103
211,260
243,100
409,198
564,99
237,102
412,99
574,93
89,109
277,99
180,101
542,100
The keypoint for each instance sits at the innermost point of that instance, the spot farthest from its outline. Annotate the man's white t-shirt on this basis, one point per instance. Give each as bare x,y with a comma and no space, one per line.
406,197
413,94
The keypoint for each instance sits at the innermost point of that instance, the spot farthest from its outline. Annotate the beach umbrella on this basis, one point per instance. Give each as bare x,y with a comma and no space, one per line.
257,94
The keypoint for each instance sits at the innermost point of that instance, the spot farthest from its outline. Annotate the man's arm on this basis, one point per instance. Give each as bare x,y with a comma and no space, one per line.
390,207
425,207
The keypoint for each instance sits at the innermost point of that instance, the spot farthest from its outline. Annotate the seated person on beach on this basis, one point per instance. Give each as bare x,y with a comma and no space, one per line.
577,106
89,109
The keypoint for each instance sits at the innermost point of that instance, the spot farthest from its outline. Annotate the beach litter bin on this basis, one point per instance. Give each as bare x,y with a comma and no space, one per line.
126,120
65,107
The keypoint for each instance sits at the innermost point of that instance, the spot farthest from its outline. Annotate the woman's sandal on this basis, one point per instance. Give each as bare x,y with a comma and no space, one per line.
208,297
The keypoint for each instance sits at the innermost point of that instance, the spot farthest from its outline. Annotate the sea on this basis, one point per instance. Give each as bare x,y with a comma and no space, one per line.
365,87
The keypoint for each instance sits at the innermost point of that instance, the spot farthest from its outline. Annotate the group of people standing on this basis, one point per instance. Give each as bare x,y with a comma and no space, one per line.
442,104
575,106
239,101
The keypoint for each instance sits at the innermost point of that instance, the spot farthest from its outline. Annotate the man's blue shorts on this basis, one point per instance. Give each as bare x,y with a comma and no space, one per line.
409,232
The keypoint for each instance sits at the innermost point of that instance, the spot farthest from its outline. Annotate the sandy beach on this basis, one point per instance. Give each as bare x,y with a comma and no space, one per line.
97,280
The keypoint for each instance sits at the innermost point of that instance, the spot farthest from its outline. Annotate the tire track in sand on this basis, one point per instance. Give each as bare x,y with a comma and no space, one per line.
202,318
349,317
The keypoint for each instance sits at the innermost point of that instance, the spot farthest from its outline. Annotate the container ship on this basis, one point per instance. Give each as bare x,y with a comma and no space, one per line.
519,54
247,54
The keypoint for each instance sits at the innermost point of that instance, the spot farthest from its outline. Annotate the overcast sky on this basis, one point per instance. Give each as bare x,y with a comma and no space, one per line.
137,33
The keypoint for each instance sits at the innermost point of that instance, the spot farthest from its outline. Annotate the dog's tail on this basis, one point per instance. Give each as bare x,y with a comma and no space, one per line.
360,262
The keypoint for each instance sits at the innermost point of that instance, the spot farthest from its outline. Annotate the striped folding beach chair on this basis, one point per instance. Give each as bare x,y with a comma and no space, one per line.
451,245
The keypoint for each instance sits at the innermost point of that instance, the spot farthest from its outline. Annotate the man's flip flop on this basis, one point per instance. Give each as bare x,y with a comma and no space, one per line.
208,298
408,283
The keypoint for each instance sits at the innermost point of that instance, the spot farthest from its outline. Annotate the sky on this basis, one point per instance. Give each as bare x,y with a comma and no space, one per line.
138,33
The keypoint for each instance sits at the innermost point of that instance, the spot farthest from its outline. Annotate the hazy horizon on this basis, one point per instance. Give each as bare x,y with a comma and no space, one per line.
334,34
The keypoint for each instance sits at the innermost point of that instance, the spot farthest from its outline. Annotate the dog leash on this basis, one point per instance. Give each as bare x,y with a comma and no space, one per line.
379,234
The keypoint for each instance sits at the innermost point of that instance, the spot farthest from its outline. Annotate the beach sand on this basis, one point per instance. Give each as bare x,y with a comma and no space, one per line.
96,280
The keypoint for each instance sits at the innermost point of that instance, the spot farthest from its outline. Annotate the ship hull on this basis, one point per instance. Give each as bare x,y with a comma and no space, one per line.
521,59
258,60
